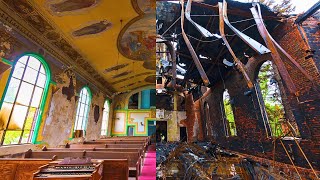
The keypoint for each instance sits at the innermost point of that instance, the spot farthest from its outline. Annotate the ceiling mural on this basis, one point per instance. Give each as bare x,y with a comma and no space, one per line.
137,39
94,28
122,74
10,47
100,37
115,68
132,77
65,6
28,13
149,65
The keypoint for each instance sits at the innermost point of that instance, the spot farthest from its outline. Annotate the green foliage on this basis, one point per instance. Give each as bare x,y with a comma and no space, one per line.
285,7
271,96
229,114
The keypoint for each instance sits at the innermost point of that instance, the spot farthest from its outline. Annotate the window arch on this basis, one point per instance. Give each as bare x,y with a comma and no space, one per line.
24,99
228,113
206,119
134,101
83,109
105,118
144,99
272,101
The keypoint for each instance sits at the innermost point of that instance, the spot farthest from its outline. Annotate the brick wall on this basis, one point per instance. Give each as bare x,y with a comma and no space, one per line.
252,137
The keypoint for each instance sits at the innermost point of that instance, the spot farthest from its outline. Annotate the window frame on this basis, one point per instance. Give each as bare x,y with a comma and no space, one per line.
37,121
88,111
107,120
228,123
273,129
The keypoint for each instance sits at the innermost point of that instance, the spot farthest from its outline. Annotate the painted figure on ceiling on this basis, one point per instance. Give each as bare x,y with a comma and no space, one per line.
71,5
93,28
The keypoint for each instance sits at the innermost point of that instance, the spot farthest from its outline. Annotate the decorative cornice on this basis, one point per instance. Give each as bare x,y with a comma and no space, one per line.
20,24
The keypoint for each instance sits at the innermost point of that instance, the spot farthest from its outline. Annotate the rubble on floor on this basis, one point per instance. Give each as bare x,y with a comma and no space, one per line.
205,160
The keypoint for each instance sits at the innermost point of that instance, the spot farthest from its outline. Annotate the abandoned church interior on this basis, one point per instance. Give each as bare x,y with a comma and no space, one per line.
159,89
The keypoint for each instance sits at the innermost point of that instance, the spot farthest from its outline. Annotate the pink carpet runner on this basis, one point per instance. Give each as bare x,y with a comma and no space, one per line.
149,168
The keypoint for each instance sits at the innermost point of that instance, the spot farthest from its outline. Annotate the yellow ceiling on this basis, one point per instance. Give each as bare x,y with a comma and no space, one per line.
100,49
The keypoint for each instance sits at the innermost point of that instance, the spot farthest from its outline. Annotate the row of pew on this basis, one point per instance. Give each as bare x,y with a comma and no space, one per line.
122,157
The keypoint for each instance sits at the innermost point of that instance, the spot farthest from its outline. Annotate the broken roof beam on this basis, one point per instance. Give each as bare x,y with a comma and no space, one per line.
274,53
239,64
173,57
236,12
259,48
195,58
307,14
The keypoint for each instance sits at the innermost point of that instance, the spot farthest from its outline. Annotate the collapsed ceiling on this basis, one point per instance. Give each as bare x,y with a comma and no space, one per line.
212,51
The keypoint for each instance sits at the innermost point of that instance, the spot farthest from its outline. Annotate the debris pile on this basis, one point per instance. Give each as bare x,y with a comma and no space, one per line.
205,160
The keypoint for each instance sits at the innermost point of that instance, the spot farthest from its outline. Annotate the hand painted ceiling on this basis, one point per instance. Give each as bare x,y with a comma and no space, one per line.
112,40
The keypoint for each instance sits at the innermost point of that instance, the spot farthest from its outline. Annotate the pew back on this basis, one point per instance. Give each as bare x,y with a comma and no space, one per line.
20,169
114,142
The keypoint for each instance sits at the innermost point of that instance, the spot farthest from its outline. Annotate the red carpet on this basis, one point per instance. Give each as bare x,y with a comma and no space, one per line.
149,168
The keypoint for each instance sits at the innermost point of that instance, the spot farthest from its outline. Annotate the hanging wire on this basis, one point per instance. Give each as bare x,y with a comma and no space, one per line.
224,85
227,35
170,26
243,20
202,40
242,30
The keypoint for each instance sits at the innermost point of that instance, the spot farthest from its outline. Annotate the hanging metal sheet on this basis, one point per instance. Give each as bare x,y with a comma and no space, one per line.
274,53
259,48
239,64
195,58
286,54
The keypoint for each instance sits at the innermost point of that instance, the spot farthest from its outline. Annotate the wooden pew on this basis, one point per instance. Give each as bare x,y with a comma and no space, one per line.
96,149
134,159
23,169
20,169
126,146
115,169
110,146
54,155
129,138
139,150
114,142
106,146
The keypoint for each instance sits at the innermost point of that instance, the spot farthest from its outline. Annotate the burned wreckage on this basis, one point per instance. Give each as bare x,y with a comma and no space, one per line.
238,91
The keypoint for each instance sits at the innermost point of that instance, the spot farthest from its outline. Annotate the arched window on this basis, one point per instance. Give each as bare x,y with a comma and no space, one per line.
228,111
271,97
206,119
24,99
105,118
145,99
134,101
83,109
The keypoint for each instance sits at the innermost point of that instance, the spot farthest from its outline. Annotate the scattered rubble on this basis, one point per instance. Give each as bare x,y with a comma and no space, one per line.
206,160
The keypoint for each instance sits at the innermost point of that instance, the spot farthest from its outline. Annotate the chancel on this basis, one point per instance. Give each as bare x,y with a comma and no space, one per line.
77,89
